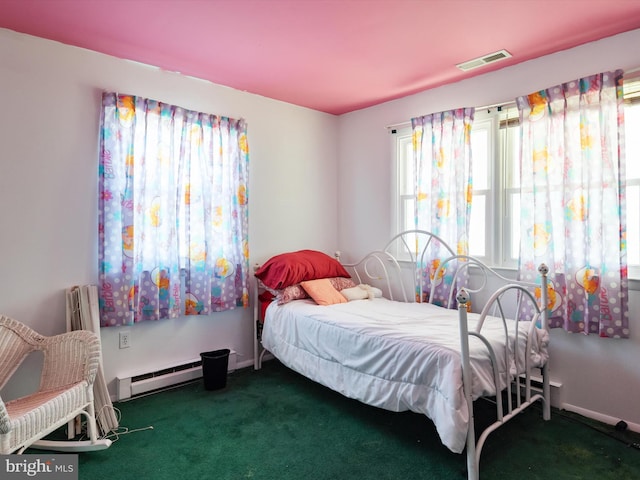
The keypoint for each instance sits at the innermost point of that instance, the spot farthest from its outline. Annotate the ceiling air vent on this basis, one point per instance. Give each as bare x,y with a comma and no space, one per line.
484,60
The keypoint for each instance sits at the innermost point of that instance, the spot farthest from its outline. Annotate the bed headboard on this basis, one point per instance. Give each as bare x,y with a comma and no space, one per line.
400,268
417,265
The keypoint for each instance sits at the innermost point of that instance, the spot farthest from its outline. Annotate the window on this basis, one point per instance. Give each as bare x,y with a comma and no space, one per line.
496,197
632,142
173,211
496,187
405,181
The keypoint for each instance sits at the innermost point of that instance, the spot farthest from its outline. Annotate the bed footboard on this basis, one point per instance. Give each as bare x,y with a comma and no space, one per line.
523,391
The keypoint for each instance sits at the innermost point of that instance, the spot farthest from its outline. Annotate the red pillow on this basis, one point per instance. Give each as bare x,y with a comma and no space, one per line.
290,268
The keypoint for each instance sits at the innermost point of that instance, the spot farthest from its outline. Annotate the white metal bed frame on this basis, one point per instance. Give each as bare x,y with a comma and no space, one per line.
382,267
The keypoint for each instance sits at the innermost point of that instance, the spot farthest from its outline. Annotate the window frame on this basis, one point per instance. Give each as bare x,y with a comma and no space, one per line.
632,100
401,137
498,238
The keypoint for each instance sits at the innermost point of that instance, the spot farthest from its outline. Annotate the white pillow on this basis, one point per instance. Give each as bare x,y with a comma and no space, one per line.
361,292
372,292
354,293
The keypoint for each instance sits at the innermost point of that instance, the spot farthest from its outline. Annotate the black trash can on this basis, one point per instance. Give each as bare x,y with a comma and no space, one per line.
214,368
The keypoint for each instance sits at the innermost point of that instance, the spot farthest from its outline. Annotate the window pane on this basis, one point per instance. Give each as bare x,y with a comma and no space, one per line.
408,217
632,146
406,157
478,221
632,140
514,200
480,155
633,225
510,144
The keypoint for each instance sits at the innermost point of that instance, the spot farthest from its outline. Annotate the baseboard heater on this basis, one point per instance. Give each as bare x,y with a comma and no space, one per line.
158,380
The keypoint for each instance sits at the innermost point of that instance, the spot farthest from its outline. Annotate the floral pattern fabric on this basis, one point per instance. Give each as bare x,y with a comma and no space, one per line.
443,186
573,202
173,211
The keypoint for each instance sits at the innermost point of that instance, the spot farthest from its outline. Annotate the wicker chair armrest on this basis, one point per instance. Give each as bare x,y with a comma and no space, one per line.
5,423
70,358
16,341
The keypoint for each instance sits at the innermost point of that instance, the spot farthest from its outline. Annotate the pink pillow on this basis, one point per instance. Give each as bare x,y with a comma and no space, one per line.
292,292
340,283
296,292
288,269
322,292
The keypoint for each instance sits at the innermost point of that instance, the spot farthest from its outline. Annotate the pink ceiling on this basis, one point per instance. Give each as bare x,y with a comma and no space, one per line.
330,55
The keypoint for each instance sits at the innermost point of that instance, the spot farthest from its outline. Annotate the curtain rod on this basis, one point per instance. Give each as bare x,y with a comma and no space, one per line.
483,107
630,71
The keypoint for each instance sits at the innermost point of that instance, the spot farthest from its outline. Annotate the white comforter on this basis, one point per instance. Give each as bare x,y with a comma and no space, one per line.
393,355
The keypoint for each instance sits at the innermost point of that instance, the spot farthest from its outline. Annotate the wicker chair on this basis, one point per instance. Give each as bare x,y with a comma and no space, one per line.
66,388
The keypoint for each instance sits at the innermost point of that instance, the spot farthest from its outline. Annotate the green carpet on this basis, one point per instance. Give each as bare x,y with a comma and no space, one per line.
274,424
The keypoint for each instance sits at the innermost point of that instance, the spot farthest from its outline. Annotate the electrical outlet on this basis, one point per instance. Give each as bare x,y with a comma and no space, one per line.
125,340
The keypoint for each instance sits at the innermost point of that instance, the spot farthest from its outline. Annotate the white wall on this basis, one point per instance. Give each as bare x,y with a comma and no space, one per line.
50,97
600,376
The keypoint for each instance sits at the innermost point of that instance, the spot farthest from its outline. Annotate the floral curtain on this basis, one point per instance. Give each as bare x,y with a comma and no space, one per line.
173,211
573,202
443,186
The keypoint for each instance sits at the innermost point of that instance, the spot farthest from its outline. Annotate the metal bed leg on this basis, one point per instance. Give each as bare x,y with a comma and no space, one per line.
544,308
256,317
546,393
472,465
472,461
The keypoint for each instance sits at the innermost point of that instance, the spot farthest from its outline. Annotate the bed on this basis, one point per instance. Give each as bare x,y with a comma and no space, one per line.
397,330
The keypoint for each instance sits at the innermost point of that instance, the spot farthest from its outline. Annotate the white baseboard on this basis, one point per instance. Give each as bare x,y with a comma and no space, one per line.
600,417
245,363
